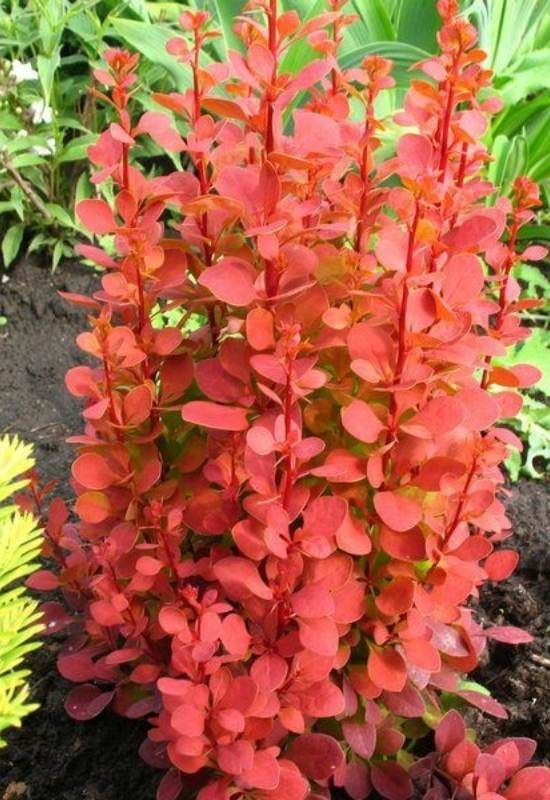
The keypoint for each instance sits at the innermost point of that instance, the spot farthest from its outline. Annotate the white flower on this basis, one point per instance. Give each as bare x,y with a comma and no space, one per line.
22,72
44,151
40,112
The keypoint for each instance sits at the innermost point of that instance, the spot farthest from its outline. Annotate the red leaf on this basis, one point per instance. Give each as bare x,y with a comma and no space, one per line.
214,415
319,636
391,780
77,667
351,537
361,422
415,152
361,737
450,732
422,654
235,758
396,597
234,635
484,702
530,783
86,702
508,634
43,580
93,507
500,564
159,128
240,578
137,405
230,280
472,234
171,786
317,755
93,472
147,565
387,669
176,374
400,513
97,216
188,720
269,672
313,601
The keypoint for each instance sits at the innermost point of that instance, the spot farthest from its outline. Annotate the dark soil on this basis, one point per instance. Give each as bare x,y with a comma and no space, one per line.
54,758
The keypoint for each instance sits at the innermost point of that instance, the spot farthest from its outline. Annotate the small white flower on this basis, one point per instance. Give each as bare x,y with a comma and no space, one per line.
22,72
44,151
40,112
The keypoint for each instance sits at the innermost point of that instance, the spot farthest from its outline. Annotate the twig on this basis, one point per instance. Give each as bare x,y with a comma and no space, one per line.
27,189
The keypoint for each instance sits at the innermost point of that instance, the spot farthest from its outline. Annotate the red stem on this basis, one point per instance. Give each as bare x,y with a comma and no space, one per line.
288,478
502,294
272,35
364,182
401,352
125,175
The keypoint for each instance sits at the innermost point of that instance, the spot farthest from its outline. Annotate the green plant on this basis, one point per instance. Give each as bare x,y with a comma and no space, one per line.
20,544
47,116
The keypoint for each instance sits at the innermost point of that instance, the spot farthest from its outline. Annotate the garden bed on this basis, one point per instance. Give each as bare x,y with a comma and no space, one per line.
54,757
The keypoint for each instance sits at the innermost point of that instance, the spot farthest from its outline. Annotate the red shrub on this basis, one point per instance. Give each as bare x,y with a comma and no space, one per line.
284,507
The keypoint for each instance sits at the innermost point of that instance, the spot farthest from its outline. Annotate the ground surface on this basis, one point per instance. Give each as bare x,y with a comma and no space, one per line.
54,758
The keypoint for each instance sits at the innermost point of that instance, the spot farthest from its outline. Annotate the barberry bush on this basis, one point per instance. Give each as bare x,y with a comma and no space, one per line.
289,482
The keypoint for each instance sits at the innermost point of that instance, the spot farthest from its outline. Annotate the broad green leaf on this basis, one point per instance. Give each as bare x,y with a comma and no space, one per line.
512,118
376,20
530,74
509,161
224,14
417,24
61,215
27,160
12,242
76,149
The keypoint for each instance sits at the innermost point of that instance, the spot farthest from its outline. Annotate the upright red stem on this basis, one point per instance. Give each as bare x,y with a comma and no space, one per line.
272,43
288,478
502,294
364,182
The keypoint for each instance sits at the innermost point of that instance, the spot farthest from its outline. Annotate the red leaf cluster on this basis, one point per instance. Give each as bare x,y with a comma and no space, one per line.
459,768
285,499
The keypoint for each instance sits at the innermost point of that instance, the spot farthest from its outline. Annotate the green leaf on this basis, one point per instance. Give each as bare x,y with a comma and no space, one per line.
76,149
47,67
58,251
61,215
224,14
27,160
12,242
529,75
150,41
513,118
375,18
417,24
